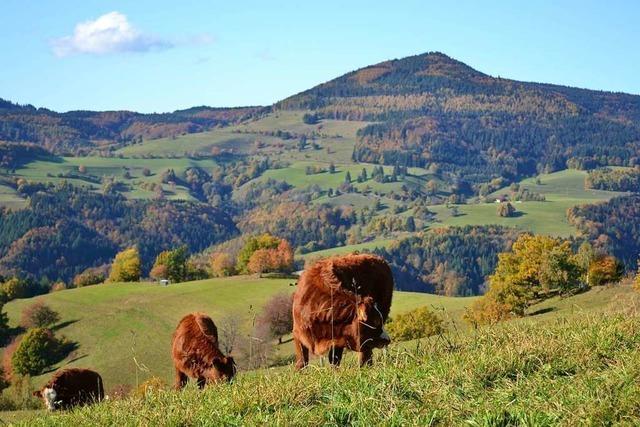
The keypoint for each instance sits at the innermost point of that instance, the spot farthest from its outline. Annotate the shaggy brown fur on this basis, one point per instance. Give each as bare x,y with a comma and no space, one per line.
196,354
342,302
71,387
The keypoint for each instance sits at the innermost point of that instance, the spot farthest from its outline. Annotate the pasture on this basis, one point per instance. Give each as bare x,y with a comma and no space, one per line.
575,365
562,191
124,330
66,169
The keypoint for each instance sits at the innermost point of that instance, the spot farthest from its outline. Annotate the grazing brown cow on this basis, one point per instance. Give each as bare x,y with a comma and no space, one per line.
196,354
342,302
71,387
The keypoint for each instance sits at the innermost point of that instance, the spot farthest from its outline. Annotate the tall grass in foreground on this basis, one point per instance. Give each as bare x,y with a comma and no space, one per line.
579,370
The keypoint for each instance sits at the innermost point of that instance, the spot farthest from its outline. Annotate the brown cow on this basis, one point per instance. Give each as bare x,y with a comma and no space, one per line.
71,387
342,302
196,354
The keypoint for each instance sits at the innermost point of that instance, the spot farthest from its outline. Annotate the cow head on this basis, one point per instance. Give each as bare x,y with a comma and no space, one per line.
223,368
48,396
370,325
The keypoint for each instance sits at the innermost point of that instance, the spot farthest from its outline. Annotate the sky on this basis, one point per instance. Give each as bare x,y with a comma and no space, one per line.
157,56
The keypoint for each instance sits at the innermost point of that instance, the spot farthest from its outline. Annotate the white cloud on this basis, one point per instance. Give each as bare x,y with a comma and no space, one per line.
113,33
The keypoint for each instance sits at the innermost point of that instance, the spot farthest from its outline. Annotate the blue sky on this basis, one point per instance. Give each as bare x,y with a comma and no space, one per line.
164,55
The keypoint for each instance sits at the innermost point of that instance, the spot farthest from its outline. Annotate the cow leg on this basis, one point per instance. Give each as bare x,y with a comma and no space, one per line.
202,381
181,379
302,354
335,355
365,357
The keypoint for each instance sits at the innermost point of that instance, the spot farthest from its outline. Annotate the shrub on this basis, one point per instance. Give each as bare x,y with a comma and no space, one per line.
605,269
18,396
90,276
152,385
126,266
39,315
58,286
486,311
418,323
277,316
38,349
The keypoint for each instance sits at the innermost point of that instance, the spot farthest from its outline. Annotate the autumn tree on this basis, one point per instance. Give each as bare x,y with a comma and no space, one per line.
90,276
222,264
506,210
604,269
171,265
282,257
535,268
260,261
254,243
126,266
39,315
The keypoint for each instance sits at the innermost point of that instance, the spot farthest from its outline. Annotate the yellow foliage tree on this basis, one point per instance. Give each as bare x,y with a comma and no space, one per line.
126,266
536,267
222,264
605,269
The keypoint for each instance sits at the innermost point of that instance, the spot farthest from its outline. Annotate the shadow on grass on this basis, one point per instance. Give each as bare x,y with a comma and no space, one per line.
63,325
543,311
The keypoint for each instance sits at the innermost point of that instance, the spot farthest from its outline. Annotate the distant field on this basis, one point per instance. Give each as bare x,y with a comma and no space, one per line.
349,248
10,199
336,135
117,325
562,190
98,167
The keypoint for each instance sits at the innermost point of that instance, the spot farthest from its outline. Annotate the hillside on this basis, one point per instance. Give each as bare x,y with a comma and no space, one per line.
576,361
84,131
434,110
373,157
116,323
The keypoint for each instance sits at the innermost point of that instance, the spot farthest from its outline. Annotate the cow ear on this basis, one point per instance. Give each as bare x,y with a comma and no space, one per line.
361,312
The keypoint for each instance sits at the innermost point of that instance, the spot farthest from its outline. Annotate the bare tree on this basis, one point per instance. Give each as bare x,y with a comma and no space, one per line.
229,328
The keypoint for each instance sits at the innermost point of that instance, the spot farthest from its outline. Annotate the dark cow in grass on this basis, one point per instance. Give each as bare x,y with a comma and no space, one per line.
196,354
342,302
71,387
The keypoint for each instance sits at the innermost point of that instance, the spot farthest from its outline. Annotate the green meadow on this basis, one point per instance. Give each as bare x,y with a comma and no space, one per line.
562,191
572,361
124,330
55,169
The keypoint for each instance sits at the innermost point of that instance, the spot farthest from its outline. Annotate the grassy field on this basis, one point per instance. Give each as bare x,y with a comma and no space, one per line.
578,366
338,136
120,327
98,167
379,243
10,199
562,191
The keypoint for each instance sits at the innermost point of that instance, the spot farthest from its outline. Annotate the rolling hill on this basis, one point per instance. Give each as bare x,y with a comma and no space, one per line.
571,359
432,109
124,330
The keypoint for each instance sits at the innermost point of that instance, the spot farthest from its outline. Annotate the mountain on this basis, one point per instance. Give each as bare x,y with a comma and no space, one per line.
433,111
80,132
